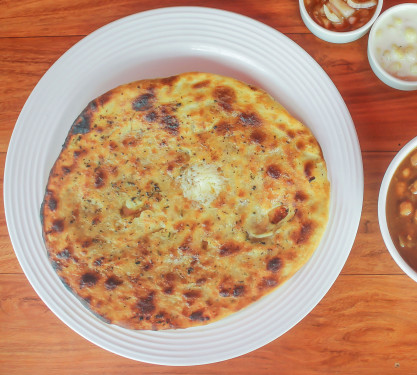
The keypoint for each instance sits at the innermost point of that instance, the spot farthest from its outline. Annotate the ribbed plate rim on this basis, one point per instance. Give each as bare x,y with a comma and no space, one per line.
225,339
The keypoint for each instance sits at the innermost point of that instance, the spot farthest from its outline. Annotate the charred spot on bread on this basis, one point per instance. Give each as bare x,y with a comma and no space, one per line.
88,279
144,102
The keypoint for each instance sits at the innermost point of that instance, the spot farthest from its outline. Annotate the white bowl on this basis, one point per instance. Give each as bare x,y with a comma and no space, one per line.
337,36
376,66
409,147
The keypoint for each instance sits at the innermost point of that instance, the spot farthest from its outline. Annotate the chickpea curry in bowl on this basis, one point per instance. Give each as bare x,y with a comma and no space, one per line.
401,209
397,208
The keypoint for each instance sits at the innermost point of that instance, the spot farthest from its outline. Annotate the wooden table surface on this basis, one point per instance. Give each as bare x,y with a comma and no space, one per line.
366,323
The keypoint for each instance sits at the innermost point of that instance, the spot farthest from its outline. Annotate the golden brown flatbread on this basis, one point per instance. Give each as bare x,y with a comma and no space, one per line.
178,201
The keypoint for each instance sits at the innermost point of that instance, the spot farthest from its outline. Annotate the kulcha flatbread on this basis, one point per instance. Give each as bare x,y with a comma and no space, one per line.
178,201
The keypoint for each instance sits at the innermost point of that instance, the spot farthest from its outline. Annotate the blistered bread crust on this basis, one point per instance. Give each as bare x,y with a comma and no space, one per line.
178,201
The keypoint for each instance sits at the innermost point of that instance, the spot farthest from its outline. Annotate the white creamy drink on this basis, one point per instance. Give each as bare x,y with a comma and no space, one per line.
396,44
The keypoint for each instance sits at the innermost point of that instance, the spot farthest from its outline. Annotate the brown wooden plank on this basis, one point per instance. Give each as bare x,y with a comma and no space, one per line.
22,63
364,325
8,260
81,17
369,254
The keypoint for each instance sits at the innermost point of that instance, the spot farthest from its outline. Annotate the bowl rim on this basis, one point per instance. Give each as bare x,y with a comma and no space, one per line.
342,34
397,82
382,218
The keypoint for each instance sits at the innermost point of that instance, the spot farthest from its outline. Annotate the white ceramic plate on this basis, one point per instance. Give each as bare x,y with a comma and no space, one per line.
158,43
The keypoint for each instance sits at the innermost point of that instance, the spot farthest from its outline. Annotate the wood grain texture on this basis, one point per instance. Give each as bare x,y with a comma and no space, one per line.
369,254
366,323
23,61
8,260
80,17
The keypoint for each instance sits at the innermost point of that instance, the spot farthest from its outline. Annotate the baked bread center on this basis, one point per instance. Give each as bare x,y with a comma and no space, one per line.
202,183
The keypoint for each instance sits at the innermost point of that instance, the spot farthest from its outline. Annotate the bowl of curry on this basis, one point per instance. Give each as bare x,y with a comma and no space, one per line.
339,21
397,208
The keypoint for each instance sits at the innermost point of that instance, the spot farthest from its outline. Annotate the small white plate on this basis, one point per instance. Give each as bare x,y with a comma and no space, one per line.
159,43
